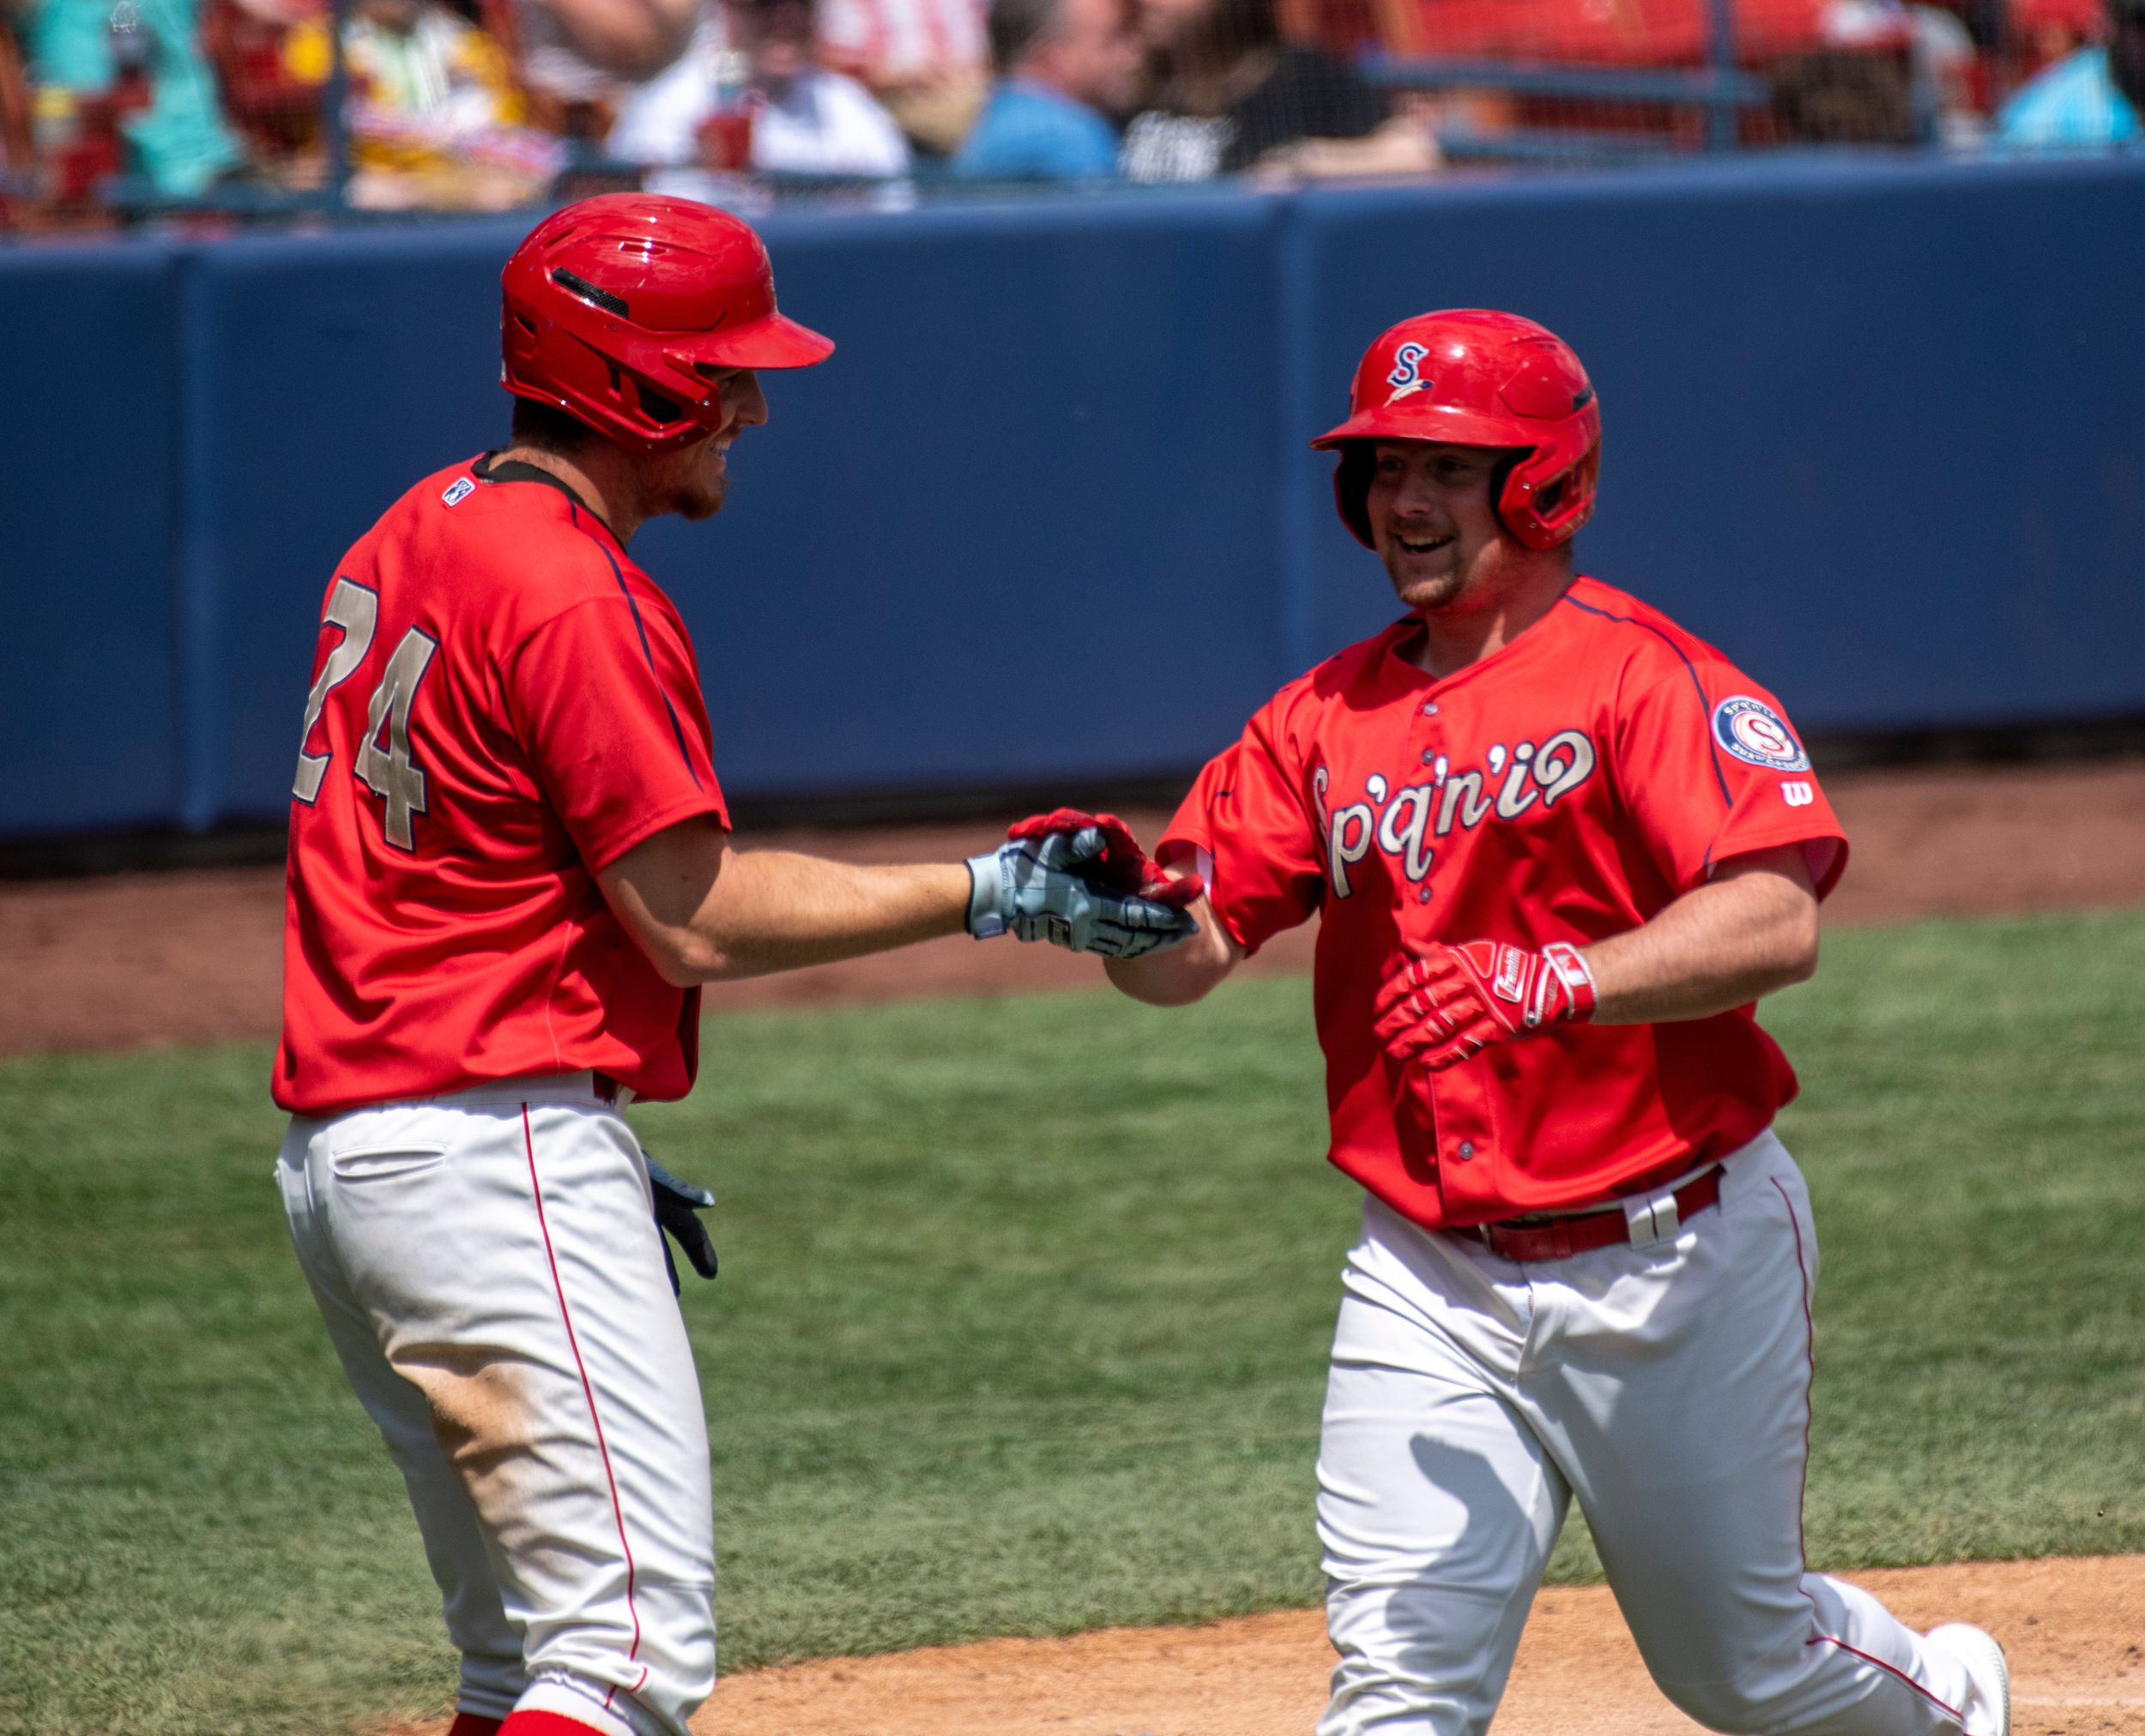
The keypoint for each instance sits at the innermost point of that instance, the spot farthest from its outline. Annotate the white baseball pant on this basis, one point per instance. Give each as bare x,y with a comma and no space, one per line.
489,1268
1667,1386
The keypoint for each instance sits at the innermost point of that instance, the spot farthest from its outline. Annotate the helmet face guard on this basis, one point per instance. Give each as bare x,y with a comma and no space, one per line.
1469,376
620,310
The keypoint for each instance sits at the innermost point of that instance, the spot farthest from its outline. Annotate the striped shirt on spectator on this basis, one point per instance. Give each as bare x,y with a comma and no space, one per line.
891,39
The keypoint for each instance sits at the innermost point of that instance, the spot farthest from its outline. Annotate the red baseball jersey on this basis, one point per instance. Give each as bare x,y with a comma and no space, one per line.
501,705
1566,788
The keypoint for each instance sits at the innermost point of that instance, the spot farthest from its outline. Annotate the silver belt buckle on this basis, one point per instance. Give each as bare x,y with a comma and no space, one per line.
1652,1219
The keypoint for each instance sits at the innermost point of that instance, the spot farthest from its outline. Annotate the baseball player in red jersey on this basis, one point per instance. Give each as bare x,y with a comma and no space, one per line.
509,874
1558,847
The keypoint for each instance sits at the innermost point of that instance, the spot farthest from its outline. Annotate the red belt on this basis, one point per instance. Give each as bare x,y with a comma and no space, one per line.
1559,1238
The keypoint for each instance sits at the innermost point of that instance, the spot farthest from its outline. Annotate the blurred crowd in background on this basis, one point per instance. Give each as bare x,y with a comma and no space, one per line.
115,110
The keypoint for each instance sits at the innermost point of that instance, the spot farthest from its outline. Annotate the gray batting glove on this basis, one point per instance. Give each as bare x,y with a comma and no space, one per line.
1033,889
678,1207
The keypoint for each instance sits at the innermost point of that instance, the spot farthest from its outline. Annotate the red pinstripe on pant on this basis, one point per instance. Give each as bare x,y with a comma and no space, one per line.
587,1391
1810,1388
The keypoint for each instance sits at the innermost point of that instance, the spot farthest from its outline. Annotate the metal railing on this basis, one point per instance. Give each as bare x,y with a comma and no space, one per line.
1720,90
1723,94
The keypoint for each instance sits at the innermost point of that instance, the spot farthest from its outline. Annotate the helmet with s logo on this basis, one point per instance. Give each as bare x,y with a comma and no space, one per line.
1471,377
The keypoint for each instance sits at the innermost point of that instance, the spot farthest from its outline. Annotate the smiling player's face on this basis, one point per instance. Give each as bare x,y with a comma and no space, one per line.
694,480
1433,523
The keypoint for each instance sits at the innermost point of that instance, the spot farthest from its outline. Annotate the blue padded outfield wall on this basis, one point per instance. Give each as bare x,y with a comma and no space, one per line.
1877,428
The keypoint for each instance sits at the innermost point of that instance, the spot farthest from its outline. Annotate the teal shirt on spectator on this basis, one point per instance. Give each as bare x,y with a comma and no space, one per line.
179,140
1031,131
2075,105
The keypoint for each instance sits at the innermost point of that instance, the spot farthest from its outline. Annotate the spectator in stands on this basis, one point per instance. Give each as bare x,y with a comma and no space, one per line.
788,115
924,60
271,58
1224,93
1063,65
807,120
578,58
17,161
82,51
1844,96
2090,100
435,116
2039,32
1947,66
657,120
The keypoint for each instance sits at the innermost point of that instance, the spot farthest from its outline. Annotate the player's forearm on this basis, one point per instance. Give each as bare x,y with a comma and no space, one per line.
1183,974
771,911
1721,945
704,912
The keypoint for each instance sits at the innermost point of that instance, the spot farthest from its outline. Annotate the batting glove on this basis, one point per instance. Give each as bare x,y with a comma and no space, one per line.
678,1207
1455,1001
1049,888
1121,866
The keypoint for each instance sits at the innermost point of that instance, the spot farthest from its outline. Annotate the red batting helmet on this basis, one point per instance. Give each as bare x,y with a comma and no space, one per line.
619,306
1468,377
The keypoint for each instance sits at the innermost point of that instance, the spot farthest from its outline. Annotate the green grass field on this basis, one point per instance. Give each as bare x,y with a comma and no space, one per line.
1021,1328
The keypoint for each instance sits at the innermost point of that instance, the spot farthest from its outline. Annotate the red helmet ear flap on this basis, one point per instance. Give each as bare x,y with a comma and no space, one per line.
1549,493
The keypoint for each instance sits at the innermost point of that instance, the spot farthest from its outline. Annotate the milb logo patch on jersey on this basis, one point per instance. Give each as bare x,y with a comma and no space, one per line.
1757,734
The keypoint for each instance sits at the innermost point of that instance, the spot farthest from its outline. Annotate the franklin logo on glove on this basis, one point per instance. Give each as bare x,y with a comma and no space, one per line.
1454,1002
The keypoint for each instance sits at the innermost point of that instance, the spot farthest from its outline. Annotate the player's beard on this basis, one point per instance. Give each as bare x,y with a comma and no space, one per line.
1434,593
702,499
1422,590
701,484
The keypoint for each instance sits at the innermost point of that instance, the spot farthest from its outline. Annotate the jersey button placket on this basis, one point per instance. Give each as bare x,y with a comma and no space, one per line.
1420,755
1459,1105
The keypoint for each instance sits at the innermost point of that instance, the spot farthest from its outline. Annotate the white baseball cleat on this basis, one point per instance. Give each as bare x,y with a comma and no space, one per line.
1988,1709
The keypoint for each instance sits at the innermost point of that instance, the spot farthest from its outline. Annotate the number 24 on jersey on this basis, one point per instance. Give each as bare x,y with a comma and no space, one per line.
387,771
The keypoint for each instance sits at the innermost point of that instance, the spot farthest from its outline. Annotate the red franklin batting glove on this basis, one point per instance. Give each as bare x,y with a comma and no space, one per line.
1455,1001
1123,868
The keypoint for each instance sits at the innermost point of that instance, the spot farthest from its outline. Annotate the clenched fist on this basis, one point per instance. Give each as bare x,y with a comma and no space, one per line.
1454,1002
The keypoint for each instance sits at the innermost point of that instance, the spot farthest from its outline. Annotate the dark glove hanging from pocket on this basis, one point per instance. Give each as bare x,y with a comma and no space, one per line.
678,1207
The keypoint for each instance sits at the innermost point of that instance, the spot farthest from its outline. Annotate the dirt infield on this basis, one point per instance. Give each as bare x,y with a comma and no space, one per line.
2072,1629
188,957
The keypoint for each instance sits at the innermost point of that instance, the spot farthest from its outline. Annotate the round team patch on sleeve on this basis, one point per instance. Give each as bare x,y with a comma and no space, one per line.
1757,734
